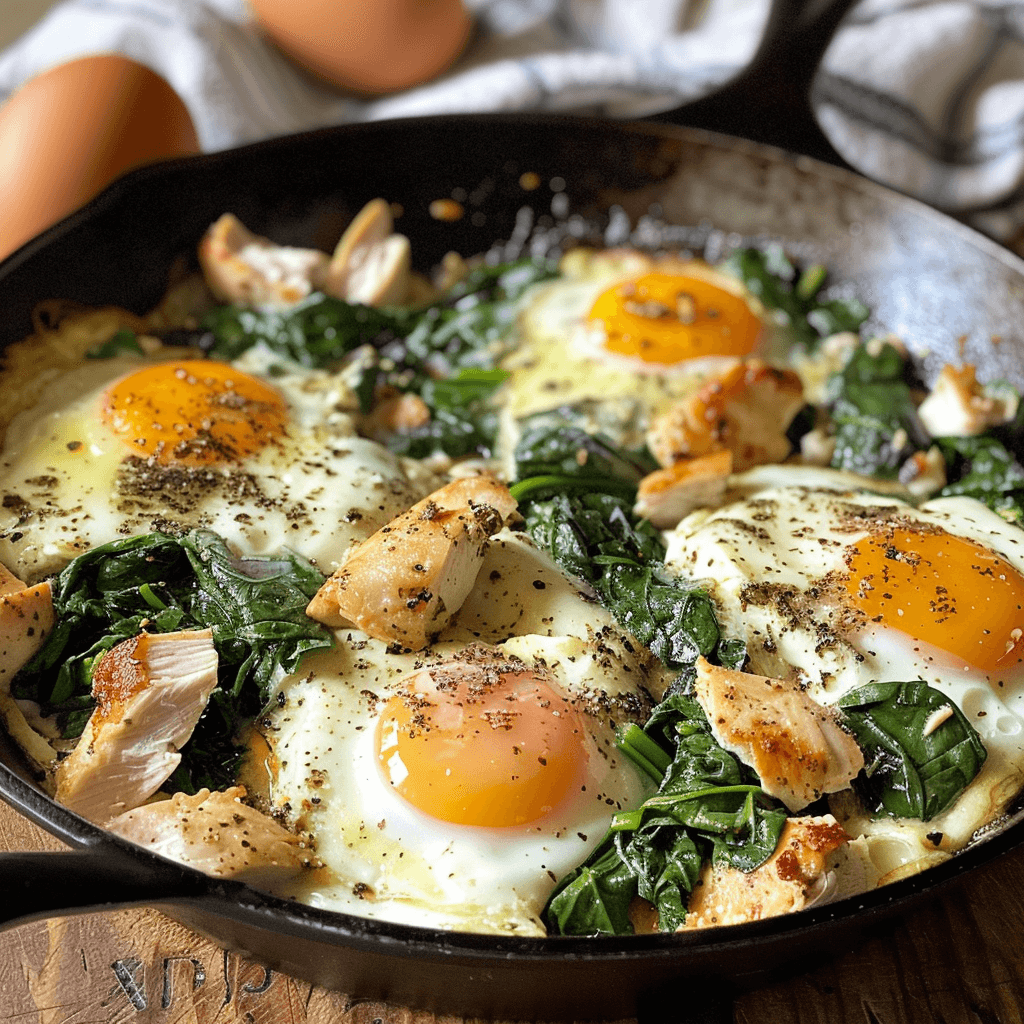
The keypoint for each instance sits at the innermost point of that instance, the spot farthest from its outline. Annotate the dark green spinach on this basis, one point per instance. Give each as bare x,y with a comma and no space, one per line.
469,326
555,455
769,274
909,774
708,806
254,606
876,421
984,468
316,332
596,538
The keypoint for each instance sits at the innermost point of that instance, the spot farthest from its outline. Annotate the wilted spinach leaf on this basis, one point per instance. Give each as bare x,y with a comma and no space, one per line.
907,773
985,469
555,456
467,328
596,537
316,332
877,427
254,606
576,530
675,619
708,805
770,276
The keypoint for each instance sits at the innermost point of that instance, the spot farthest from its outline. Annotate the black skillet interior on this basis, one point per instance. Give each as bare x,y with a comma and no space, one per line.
938,285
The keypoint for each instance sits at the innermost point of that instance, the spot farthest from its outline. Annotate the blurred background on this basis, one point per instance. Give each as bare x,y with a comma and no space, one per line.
926,96
19,16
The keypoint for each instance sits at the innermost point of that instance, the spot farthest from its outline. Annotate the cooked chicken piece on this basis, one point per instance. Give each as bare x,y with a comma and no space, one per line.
9,583
798,748
817,447
26,616
794,877
746,409
393,413
379,275
451,270
370,226
370,265
958,406
242,267
666,495
924,473
150,691
404,584
218,834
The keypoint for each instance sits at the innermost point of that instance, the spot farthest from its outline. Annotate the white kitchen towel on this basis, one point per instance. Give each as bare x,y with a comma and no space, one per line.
923,95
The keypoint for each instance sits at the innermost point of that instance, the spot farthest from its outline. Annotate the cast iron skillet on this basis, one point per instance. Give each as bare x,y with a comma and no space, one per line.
940,286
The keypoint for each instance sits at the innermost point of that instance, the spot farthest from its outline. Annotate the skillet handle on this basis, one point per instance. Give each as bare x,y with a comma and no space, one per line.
769,101
36,885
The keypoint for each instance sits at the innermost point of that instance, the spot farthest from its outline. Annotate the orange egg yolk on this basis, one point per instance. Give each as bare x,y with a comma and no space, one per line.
943,590
666,318
194,412
486,746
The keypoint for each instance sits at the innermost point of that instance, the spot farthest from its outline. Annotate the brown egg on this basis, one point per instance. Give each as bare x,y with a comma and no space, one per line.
368,46
67,133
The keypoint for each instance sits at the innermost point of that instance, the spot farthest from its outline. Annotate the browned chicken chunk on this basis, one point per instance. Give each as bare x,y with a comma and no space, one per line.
798,748
666,495
746,410
217,833
794,877
26,616
150,691
404,584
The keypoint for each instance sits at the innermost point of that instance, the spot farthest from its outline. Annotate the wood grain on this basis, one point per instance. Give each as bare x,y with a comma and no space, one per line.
957,958
954,959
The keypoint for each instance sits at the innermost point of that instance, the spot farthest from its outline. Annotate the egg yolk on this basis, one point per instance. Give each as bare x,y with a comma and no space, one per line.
194,412
943,590
491,746
666,318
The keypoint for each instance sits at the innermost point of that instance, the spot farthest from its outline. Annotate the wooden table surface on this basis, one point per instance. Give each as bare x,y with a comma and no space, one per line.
956,958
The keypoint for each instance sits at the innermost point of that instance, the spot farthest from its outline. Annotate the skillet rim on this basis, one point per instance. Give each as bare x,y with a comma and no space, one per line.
238,901
141,176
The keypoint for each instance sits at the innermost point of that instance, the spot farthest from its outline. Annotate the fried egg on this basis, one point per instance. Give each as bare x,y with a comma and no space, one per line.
623,325
452,788
124,446
838,588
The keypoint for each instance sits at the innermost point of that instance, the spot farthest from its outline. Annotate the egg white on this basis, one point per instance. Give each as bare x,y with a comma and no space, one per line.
763,557
559,357
386,859
68,483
